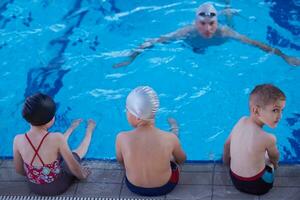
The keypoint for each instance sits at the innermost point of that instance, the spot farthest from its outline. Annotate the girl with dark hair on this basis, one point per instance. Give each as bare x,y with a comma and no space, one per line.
45,158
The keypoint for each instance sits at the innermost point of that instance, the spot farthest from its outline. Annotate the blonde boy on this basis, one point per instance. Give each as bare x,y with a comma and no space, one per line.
146,151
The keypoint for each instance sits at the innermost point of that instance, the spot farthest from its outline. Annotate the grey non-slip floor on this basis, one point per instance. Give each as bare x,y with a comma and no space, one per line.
197,181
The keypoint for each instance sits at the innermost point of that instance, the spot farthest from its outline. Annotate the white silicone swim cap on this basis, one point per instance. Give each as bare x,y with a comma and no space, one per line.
142,102
206,11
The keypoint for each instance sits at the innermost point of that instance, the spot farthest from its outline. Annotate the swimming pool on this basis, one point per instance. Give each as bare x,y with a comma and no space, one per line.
67,49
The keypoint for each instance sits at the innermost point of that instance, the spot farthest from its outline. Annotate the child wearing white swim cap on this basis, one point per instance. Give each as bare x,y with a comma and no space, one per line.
143,103
150,155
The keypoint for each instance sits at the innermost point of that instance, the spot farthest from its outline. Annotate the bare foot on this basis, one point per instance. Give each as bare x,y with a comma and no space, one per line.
292,61
91,126
73,126
173,126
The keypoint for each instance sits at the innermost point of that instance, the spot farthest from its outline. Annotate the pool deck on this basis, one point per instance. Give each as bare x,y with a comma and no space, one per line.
208,181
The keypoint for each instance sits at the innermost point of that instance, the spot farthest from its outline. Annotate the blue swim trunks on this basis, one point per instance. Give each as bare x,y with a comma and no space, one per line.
157,191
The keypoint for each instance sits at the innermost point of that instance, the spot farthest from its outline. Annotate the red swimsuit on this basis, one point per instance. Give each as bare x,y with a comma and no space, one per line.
41,174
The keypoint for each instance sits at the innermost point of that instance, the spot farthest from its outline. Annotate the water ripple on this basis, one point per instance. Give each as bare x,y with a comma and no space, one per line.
141,8
201,92
57,27
116,75
108,94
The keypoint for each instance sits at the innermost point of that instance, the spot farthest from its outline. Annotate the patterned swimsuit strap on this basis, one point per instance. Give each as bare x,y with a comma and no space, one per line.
36,151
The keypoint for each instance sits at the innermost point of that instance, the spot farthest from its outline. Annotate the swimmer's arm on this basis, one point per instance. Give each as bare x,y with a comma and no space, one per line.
272,151
18,161
290,60
226,152
74,166
150,43
118,150
178,153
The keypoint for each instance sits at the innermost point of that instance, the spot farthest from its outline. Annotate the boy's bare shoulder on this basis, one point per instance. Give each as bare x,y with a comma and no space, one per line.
269,137
123,137
123,134
243,120
168,135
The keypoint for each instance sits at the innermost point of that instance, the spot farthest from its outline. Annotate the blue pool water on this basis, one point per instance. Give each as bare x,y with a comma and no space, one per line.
67,49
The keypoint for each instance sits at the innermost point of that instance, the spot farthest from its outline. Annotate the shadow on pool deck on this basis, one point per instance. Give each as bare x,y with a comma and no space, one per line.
197,181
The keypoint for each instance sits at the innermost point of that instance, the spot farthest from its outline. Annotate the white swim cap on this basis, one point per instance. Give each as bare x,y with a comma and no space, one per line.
206,11
142,102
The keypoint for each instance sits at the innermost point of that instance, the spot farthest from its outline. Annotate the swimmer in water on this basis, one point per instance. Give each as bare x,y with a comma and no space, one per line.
206,32
150,156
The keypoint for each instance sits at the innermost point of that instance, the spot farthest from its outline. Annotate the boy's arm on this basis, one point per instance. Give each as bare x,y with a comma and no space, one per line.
272,151
150,43
226,153
18,161
174,128
293,61
178,152
118,150
74,166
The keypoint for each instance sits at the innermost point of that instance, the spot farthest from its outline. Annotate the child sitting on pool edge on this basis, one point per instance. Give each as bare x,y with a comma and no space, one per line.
45,158
149,154
249,150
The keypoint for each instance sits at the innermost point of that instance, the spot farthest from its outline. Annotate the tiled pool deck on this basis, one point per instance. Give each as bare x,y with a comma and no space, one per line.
198,181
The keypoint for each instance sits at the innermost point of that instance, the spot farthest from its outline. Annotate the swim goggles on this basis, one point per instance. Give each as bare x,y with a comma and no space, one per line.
207,14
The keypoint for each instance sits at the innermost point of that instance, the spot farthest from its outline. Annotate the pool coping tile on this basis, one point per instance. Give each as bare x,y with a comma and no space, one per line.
279,193
191,192
9,188
195,178
98,189
207,181
7,163
191,167
231,193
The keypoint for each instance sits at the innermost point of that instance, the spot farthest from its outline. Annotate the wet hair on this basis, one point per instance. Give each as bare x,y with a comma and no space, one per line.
38,109
266,94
